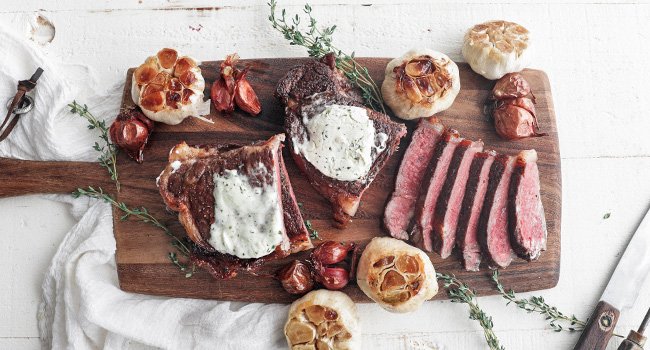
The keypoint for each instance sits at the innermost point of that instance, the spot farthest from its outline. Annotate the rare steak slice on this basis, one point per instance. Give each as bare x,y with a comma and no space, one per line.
526,219
432,185
401,206
235,203
448,207
339,144
471,206
493,223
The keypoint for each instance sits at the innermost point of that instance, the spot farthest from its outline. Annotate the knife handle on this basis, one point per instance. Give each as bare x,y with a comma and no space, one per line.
599,328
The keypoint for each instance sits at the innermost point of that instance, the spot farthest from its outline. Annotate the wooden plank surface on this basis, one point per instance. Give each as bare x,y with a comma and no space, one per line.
142,250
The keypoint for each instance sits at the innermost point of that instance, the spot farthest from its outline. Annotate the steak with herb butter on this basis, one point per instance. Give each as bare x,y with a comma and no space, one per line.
339,144
235,203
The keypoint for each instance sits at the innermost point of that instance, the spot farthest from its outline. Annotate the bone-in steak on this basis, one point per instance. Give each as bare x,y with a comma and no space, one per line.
311,91
188,186
401,207
526,221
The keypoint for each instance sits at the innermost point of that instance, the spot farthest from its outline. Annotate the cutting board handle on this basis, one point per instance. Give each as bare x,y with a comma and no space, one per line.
599,328
21,177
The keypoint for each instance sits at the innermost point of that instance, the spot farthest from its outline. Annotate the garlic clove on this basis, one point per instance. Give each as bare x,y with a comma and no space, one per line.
167,58
300,333
145,73
154,101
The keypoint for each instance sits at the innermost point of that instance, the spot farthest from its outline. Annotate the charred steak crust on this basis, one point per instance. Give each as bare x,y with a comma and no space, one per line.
293,221
310,87
471,209
430,191
498,174
400,209
316,76
439,241
187,189
526,217
445,218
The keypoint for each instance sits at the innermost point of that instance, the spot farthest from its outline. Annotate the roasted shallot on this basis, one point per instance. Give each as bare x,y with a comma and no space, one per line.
296,278
512,105
331,252
232,88
130,131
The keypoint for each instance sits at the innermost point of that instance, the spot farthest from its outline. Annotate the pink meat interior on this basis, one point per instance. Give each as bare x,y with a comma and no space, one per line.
498,238
400,208
530,216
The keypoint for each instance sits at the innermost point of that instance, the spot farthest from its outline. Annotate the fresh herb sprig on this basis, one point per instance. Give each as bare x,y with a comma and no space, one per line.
108,150
537,304
318,42
142,214
313,234
460,292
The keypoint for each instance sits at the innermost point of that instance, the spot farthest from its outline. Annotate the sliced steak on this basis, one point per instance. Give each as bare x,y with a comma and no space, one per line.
449,202
187,185
401,207
306,92
493,223
433,180
526,219
466,231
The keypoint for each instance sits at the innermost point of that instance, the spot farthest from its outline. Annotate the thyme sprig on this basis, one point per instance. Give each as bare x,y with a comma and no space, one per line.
313,234
318,42
142,214
460,292
536,304
108,150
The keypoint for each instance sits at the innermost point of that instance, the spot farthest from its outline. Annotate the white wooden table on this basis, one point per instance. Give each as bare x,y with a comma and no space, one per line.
596,57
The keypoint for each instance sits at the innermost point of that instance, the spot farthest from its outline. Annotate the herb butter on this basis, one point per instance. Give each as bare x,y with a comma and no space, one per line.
341,142
248,221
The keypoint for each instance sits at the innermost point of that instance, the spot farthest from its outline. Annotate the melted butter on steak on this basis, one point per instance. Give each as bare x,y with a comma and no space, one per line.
247,217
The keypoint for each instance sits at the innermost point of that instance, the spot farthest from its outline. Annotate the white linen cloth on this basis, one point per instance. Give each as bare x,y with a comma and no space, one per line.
82,306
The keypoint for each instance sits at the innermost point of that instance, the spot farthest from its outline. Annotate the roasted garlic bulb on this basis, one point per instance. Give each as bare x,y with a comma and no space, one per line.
420,84
323,320
496,48
169,88
396,275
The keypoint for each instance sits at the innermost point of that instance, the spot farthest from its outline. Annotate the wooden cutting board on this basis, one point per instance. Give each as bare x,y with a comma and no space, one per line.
142,250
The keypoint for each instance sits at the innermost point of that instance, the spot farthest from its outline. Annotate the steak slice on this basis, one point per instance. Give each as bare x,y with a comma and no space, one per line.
433,180
306,91
466,231
401,206
493,223
526,221
187,185
449,202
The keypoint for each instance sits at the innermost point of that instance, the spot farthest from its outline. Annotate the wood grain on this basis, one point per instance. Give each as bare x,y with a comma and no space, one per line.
142,262
599,329
20,177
